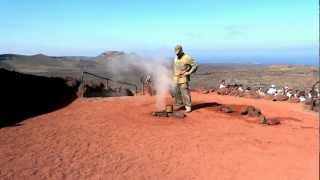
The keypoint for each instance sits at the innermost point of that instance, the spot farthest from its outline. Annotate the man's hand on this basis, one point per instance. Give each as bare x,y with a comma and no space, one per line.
185,73
182,73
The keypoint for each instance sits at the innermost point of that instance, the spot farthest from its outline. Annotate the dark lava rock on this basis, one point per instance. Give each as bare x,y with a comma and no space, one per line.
250,111
226,109
273,121
205,91
99,90
160,114
177,114
280,98
264,120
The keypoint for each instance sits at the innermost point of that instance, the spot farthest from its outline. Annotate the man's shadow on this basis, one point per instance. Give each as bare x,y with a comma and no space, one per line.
205,105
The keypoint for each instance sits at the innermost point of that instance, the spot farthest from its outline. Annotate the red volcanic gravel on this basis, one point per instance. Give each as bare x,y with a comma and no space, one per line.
118,138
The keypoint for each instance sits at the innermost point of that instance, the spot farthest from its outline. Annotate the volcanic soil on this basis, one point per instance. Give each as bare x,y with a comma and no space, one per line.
118,138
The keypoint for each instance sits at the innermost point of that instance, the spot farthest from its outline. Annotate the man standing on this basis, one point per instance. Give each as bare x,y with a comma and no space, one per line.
184,66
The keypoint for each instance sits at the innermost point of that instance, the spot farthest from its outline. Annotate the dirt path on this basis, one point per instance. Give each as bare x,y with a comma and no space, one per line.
117,138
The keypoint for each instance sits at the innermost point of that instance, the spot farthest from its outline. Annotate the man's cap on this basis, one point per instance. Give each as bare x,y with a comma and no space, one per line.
178,47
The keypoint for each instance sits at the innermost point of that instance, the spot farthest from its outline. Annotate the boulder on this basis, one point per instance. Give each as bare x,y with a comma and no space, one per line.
177,114
263,120
226,109
280,98
212,90
205,91
222,91
160,114
273,121
250,111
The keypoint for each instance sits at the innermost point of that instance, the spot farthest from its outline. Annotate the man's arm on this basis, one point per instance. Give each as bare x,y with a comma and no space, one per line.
194,65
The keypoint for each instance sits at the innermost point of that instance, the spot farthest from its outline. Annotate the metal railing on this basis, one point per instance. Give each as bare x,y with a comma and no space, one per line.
108,79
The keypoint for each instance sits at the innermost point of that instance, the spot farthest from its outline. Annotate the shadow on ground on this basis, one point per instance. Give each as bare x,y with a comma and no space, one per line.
23,96
244,111
204,105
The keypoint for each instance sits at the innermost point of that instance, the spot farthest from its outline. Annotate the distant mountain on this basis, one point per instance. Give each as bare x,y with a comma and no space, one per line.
115,55
45,65
42,57
112,54
41,64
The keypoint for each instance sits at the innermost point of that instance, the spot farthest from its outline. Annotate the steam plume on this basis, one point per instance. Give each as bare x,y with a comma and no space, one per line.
131,67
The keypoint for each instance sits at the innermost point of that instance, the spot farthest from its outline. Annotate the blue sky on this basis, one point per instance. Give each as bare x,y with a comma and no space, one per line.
211,30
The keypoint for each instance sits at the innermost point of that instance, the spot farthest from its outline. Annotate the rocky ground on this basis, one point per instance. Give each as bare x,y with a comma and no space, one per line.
118,138
300,77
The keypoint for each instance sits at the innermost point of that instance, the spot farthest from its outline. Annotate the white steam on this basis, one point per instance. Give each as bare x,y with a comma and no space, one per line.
131,67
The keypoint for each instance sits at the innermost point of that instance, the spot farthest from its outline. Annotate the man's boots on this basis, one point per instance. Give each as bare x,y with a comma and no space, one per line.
188,109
